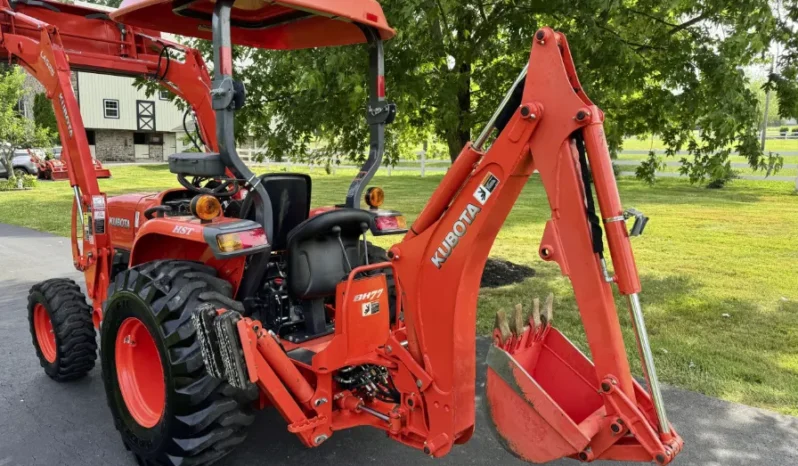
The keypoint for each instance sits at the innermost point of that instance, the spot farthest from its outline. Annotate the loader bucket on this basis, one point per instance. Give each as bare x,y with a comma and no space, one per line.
543,399
101,171
58,175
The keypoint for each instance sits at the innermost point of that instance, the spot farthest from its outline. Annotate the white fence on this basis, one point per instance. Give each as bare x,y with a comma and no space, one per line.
421,165
425,166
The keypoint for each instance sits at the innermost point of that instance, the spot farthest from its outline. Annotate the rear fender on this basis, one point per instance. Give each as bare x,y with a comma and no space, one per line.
184,238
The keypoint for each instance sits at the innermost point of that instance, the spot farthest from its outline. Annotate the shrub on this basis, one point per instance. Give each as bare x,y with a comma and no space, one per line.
8,184
29,181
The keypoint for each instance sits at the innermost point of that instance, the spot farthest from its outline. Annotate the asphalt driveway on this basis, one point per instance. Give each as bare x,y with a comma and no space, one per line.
46,423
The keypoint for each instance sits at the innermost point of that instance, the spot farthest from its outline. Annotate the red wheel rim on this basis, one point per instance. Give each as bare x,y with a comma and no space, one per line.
140,373
45,335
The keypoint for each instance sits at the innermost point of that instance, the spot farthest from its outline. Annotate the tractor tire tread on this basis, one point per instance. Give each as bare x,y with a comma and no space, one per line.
206,413
71,317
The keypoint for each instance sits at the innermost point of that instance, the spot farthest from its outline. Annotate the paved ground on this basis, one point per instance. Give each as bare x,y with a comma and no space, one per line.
45,423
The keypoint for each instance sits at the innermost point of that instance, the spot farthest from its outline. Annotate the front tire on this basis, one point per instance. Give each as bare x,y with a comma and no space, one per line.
62,329
167,408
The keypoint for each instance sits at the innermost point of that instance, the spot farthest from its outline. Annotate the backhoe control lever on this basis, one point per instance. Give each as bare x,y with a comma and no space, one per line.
228,93
640,221
381,114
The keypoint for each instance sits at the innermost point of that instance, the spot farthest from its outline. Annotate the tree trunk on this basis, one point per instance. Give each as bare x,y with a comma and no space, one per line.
7,162
458,137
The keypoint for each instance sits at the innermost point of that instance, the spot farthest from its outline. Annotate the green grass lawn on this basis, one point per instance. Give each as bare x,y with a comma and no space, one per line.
706,253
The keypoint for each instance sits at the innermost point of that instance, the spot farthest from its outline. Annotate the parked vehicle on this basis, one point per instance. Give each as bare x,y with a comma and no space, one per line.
22,163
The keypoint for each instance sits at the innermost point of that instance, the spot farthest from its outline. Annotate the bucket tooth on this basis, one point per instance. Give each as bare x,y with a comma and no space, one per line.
549,310
502,326
536,314
517,321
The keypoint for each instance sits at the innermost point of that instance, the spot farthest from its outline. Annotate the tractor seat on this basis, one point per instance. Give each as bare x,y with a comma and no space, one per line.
208,164
316,261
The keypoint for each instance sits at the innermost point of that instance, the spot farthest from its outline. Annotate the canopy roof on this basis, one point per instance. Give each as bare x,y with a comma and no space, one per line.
285,24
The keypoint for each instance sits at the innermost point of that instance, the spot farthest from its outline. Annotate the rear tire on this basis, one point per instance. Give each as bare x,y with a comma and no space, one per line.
62,329
200,419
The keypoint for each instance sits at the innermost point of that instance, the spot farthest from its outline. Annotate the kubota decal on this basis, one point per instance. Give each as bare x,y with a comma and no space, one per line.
47,63
66,114
119,222
452,239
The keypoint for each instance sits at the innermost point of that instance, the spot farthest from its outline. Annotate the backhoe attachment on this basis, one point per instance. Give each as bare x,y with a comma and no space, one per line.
547,400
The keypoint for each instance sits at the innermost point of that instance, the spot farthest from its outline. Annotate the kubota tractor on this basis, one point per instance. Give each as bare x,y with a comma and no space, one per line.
234,295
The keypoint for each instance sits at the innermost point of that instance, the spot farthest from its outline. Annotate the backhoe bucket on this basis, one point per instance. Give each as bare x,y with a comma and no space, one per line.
544,398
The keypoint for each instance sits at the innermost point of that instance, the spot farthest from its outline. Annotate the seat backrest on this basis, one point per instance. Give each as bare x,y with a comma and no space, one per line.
316,262
290,197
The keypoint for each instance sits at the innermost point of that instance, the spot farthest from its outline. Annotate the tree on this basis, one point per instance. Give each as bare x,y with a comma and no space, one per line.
667,68
16,131
43,114
785,82
674,69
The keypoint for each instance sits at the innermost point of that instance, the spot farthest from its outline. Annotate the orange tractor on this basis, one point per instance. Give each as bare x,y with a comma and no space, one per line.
232,294
56,170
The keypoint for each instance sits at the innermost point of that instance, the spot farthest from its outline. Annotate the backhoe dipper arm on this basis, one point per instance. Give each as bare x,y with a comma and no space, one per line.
439,265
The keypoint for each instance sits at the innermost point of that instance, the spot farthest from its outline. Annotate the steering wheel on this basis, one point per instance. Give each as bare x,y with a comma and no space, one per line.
152,212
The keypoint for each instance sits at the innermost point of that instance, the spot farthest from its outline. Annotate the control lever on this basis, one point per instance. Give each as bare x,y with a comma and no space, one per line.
336,230
364,227
640,221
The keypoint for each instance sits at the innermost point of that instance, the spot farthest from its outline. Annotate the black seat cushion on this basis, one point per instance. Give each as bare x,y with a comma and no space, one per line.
316,262
206,164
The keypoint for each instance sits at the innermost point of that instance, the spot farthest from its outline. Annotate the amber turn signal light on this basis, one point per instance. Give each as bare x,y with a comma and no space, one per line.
206,207
375,197
232,242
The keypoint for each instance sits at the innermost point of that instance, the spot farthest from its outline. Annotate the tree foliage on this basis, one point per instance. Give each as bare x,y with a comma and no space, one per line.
673,69
16,131
43,114
669,68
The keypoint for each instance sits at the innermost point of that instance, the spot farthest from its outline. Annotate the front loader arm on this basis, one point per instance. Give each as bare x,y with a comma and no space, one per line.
439,265
46,60
51,39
